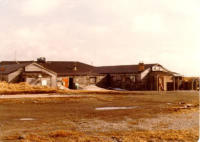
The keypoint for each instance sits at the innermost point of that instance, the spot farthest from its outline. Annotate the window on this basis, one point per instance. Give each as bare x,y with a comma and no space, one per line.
118,78
93,80
132,77
44,82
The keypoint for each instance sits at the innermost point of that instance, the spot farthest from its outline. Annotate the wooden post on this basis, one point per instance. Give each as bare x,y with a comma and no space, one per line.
157,83
192,84
178,83
174,83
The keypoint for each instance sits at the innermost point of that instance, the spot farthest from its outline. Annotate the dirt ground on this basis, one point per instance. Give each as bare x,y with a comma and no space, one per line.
169,116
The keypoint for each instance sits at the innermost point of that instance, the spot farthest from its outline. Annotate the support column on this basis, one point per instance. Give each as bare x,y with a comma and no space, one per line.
174,83
197,84
178,83
192,85
157,83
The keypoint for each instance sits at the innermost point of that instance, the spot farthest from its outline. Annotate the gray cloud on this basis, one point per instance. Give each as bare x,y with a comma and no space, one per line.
103,32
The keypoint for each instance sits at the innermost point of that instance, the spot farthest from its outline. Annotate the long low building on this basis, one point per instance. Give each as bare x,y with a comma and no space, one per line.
77,75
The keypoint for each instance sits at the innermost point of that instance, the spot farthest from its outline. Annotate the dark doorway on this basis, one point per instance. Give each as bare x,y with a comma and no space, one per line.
108,83
71,83
170,86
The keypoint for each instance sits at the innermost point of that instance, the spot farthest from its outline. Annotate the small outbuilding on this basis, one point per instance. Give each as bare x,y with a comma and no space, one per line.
11,73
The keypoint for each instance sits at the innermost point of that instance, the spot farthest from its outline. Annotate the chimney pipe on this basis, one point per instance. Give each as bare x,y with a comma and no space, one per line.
141,67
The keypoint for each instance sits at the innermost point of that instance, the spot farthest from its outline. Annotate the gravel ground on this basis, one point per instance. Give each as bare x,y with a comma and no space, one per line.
180,121
156,115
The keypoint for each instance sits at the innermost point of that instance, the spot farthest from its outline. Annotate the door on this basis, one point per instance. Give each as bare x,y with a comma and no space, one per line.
66,82
170,86
71,83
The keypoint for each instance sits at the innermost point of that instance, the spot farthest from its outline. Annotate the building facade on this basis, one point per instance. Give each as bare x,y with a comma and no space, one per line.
77,75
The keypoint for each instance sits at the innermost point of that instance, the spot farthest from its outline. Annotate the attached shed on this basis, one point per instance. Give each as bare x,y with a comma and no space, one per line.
11,73
191,83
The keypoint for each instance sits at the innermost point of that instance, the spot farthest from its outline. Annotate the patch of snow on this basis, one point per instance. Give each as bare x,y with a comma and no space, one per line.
119,89
93,88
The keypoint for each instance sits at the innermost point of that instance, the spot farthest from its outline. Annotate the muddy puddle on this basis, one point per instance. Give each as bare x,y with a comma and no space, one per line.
115,108
26,119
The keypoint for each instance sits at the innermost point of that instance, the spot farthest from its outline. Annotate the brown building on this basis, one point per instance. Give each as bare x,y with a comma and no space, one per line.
190,83
77,75
141,77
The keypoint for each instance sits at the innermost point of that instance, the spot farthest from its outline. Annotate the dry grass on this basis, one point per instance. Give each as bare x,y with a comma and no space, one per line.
35,138
63,133
168,135
132,136
24,88
19,88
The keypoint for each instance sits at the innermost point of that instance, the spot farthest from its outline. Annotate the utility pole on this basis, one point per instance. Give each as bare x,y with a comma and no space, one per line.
15,56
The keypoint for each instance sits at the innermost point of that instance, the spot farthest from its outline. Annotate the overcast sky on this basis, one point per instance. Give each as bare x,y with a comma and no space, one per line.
103,32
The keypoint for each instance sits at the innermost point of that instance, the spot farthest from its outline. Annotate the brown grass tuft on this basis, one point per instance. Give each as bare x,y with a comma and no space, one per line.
63,133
